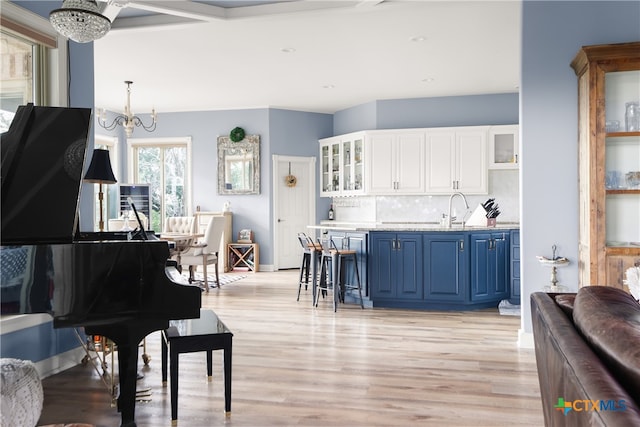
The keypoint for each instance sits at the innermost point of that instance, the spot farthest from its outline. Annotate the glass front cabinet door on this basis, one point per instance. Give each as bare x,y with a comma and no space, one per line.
352,166
342,165
330,167
609,162
503,147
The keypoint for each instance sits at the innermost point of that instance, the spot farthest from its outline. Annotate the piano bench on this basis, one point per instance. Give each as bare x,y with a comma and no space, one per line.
206,333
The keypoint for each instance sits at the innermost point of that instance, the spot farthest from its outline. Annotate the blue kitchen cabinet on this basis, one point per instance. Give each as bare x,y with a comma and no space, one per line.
489,266
515,267
395,267
445,267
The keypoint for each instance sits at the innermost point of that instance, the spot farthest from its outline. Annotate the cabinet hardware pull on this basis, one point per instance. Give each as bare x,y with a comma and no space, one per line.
398,245
461,245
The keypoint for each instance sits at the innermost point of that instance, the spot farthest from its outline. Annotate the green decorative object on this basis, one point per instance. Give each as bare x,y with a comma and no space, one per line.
236,134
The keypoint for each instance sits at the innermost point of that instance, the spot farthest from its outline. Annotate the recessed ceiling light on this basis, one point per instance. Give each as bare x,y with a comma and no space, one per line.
428,80
417,38
328,87
287,50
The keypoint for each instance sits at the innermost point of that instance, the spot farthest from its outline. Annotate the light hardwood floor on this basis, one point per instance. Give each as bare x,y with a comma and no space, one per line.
296,365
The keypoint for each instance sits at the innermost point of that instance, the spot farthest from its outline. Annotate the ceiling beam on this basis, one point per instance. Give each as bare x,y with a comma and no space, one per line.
186,11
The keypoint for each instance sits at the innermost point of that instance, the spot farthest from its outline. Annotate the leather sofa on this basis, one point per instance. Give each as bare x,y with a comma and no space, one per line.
587,347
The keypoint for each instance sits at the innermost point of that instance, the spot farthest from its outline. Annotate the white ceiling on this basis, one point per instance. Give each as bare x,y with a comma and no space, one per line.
346,53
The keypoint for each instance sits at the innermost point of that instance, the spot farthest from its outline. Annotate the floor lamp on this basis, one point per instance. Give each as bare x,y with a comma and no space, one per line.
100,172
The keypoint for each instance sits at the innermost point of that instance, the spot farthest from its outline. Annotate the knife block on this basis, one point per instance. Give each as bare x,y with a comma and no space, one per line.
479,218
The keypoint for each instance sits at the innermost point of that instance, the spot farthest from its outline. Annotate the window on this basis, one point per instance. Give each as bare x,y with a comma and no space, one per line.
164,164
33,63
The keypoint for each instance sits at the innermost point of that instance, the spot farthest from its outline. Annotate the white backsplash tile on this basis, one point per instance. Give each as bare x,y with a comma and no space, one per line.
503,186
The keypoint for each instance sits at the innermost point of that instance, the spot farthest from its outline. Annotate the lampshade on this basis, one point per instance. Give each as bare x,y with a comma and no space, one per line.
100,168
80,20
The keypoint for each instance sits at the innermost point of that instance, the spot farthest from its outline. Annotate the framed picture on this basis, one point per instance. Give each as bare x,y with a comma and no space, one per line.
245,236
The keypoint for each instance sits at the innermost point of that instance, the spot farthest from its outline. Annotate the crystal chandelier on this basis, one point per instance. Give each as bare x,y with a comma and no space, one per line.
127,120
80,21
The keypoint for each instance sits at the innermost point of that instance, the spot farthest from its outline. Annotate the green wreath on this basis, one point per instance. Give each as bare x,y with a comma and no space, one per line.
236,134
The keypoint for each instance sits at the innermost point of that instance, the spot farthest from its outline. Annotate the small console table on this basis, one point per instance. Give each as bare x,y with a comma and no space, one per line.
244,255
206,333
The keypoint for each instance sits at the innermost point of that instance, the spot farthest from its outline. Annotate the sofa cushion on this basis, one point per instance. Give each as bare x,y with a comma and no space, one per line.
565,302
609,320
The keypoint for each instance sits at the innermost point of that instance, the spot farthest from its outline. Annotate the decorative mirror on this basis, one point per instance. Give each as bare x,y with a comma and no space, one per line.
239,165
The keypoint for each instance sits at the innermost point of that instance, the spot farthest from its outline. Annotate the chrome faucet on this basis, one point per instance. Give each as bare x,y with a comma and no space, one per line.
464,199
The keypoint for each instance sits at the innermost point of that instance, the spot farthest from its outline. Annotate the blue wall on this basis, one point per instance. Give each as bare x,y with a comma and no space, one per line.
38,343
493,109
281,132
552,34
296,133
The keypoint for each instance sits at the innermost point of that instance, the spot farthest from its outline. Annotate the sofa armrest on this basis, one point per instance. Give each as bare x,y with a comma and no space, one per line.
569,369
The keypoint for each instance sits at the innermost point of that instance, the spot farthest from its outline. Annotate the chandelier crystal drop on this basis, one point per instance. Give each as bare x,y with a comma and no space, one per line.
80,21
127,120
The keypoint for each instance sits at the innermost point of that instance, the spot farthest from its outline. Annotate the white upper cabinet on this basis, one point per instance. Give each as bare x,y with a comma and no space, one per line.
504,147
395,162
406,161
456,160
342,165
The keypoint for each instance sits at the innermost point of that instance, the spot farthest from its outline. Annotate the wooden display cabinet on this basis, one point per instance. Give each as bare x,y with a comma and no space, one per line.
609,242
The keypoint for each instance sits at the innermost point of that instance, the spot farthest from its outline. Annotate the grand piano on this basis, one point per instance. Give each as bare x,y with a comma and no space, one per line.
109,283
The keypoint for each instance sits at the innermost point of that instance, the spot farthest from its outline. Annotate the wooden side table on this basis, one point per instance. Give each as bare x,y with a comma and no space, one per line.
244,255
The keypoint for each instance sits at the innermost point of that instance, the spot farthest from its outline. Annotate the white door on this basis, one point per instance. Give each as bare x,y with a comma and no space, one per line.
294,207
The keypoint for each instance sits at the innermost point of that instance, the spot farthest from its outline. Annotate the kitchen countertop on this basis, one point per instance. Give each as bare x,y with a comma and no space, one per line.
407,226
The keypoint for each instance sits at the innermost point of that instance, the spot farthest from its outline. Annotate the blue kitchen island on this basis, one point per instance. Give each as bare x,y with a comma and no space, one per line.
428,266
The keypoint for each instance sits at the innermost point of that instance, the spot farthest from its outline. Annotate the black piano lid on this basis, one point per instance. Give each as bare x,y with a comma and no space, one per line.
43,155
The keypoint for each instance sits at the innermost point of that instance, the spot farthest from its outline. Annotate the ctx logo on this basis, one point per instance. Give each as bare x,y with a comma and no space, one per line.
585,405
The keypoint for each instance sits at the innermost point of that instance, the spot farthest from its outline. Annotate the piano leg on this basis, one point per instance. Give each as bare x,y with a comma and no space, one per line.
127,337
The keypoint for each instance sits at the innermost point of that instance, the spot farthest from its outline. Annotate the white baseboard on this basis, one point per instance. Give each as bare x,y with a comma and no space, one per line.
525,339
15,322
60,362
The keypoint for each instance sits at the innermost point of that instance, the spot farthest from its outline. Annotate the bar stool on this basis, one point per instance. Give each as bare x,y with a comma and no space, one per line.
306,262
333,269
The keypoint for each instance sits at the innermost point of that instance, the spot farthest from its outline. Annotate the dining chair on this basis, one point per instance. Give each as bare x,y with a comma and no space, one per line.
204,252
180,225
